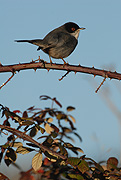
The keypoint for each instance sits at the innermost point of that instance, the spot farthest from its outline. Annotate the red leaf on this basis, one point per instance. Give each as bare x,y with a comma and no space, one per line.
46,161
40,171
25,115
17,111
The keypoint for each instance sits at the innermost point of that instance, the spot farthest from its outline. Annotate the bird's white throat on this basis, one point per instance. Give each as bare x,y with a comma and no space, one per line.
76,33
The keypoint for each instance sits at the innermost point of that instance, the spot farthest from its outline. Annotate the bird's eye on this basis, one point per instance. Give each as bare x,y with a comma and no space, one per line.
73,29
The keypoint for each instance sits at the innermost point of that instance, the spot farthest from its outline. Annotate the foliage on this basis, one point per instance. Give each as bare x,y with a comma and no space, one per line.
51,127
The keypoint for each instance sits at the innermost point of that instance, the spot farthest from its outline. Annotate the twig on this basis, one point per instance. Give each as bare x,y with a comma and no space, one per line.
64,75
7,81
100,85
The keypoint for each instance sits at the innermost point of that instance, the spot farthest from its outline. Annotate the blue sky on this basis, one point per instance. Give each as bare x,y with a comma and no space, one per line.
99,46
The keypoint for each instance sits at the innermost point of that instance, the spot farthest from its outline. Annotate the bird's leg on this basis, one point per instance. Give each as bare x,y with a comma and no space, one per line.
64,61
50,60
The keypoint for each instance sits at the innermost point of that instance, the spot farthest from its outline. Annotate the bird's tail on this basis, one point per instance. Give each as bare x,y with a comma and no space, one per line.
37,42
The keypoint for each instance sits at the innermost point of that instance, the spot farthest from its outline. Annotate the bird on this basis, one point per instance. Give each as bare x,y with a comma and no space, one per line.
60,42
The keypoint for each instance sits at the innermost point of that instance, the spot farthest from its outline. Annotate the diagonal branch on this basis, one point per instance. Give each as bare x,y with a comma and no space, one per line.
28,138
64,67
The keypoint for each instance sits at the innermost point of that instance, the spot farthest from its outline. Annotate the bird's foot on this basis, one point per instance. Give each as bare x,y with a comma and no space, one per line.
65,63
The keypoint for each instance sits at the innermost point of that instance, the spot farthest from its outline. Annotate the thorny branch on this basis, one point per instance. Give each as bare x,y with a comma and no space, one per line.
64,67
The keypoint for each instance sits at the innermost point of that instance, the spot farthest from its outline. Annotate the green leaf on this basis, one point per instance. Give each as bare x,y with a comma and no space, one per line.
76,176
73,161
59,116
37,161
83,166
27,123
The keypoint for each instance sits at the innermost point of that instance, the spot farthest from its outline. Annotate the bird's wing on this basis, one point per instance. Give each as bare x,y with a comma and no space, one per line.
54,39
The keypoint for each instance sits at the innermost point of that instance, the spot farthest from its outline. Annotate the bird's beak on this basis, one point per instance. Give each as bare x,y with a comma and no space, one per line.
82,28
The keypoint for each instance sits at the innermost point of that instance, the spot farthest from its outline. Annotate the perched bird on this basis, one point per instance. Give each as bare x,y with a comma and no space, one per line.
60,42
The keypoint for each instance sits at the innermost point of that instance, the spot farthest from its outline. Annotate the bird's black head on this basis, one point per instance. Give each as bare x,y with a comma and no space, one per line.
71,27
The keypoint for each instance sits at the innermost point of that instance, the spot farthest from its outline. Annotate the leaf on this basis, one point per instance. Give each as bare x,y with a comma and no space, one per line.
51,157
112,163
32,145
57,102
73,161
17,111
67,130
68,145
78,136
6,123
33,131
7,161
55,128
79,149
25,114
54,134
72,118
44,97
63,150
99,167
70,108
49,120
76,176
59,116
42,130
71,124
37,161
51,113
11,138
1,156
17,144
48,128
83,166
74,149
31,108
11,154
23,150
27,123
